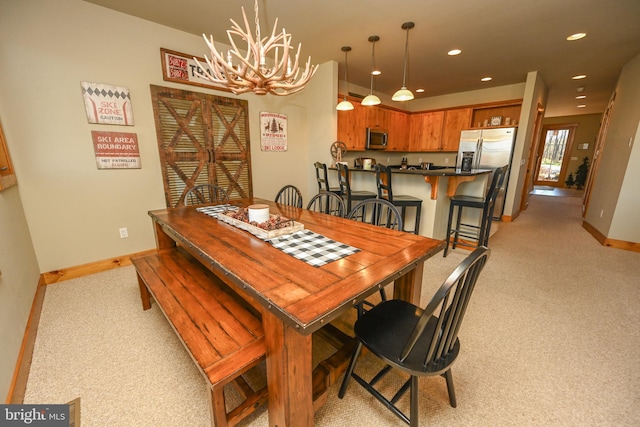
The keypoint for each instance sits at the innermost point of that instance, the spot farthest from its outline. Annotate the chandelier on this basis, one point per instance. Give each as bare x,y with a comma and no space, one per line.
251,72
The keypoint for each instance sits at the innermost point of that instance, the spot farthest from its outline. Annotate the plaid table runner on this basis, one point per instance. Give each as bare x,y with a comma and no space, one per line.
213,211
312,248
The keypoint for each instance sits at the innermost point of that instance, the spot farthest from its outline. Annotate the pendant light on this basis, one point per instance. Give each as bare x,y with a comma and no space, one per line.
371,99
345,105
404,94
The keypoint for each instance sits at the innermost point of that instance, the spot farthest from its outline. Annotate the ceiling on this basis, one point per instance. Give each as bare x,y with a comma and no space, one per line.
504,39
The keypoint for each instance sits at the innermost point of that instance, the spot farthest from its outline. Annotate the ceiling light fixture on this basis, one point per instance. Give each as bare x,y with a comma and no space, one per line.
581,96
579,76
371,99
345,105
252,74
582,106
419,90
577,36
486,79
404,94
454,52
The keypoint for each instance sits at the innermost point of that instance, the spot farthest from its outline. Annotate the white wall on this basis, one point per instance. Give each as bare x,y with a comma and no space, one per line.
615,186
18,278
73,209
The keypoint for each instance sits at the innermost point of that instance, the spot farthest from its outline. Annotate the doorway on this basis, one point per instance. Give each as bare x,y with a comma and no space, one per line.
551,168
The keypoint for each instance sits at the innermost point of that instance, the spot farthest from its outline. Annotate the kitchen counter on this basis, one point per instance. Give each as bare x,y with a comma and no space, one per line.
455,176
443,182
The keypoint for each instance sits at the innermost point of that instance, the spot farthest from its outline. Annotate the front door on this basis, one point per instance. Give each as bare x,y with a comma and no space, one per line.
552,161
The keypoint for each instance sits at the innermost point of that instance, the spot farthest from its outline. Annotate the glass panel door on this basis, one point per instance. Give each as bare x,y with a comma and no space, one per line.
551,157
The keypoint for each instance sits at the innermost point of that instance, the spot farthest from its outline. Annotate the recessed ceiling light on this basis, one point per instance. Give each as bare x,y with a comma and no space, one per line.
376,72
454,52
582,105
577,36
486,79
579,76
581,96
580,89
419,90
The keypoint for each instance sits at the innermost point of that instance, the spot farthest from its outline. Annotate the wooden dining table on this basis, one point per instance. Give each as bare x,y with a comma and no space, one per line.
294,298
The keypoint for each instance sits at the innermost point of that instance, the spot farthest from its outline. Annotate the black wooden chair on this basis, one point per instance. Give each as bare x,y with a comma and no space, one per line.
385,191
206,194
474,235
378,212
328,203
322,177
344,179
289,195
415,341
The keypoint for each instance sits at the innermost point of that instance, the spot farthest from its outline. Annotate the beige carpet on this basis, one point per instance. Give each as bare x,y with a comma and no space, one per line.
552,338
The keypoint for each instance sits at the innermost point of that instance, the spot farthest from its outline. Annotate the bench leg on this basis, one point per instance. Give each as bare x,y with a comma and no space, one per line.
218,410
145,296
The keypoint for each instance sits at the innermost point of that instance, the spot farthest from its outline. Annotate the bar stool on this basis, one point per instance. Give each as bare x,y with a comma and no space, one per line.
474,235
323,179
344,179
383,181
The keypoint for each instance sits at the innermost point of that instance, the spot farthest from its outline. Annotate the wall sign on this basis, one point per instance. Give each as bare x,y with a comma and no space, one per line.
107,104
116,150
273,132
181,68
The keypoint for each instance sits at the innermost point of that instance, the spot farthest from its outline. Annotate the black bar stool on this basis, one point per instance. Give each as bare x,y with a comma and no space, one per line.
474,235
344,179
383,181
323,179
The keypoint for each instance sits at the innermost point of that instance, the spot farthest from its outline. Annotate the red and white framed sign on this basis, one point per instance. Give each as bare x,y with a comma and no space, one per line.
116,150
181,68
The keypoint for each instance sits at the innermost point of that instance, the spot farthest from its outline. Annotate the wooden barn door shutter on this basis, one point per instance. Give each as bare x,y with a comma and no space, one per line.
202,139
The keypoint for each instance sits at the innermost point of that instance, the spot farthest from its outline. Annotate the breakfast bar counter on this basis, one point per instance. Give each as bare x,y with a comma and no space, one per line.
434,186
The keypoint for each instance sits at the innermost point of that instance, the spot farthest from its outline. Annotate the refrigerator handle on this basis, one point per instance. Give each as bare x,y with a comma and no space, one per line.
478,153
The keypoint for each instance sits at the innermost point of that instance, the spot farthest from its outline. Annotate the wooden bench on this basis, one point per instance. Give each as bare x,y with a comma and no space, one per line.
221,334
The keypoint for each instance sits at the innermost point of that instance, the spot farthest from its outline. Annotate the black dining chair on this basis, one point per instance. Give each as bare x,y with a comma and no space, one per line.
474,235
378,212
403,201
418,342
289,195
349,195
206,194
328,203
322,177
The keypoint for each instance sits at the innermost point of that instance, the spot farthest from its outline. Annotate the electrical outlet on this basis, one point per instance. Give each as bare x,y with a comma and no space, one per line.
124,233
446,160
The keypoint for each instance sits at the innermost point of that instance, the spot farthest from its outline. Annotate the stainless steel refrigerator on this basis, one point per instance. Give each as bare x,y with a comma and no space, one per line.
488,149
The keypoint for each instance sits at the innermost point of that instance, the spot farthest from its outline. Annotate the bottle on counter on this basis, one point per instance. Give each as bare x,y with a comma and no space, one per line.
403,164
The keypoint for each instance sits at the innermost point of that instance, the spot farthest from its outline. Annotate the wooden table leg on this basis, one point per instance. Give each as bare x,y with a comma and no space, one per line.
409,286
289,375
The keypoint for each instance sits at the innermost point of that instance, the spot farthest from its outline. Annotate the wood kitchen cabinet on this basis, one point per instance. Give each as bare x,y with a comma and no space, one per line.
425,131
398,130
351,127
455,121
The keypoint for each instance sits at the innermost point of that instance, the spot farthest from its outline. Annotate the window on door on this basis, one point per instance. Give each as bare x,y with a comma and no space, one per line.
552,154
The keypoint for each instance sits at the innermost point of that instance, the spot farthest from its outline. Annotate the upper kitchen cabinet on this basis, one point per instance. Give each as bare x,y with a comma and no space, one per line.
351,127
398,130
498,114
425,131
455,121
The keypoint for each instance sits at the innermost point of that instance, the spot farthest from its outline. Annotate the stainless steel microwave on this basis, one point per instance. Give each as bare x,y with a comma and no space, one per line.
376,139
